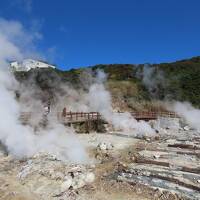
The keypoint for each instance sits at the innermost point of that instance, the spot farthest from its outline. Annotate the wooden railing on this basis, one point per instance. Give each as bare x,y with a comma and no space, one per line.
78,116
70,117
153,115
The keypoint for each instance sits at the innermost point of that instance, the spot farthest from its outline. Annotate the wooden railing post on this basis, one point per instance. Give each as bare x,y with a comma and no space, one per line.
70,115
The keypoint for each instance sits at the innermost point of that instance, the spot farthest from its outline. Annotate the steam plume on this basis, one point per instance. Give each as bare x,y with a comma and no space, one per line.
21,140
152,79
100,100
188,112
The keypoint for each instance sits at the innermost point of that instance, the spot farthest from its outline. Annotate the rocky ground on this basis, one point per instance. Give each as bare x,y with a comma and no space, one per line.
124,167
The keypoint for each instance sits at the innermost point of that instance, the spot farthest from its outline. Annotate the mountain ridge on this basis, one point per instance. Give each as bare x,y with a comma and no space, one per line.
131,85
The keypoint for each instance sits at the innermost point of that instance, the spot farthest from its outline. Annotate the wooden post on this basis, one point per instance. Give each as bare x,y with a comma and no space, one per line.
98,121
88,122
70,115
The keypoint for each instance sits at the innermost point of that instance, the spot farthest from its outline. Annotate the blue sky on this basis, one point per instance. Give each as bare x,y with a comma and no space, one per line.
79,33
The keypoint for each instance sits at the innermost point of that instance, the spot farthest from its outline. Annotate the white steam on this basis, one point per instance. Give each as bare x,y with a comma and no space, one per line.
187,112
152,78
21,140
100,100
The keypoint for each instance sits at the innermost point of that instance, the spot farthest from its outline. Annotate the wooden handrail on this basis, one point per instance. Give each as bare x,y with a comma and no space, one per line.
83,116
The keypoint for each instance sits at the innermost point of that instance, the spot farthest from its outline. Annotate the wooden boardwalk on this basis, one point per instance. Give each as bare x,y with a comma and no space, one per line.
77,117
93,116
153,115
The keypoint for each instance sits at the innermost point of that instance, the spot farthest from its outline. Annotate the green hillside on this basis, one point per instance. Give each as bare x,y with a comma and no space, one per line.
178,81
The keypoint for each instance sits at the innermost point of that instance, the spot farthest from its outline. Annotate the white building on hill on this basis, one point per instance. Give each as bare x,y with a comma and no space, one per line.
29,64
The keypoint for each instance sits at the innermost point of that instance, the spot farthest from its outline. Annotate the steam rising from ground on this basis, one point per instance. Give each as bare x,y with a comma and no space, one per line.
188,112
93,96
154,80
100,100
21,140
